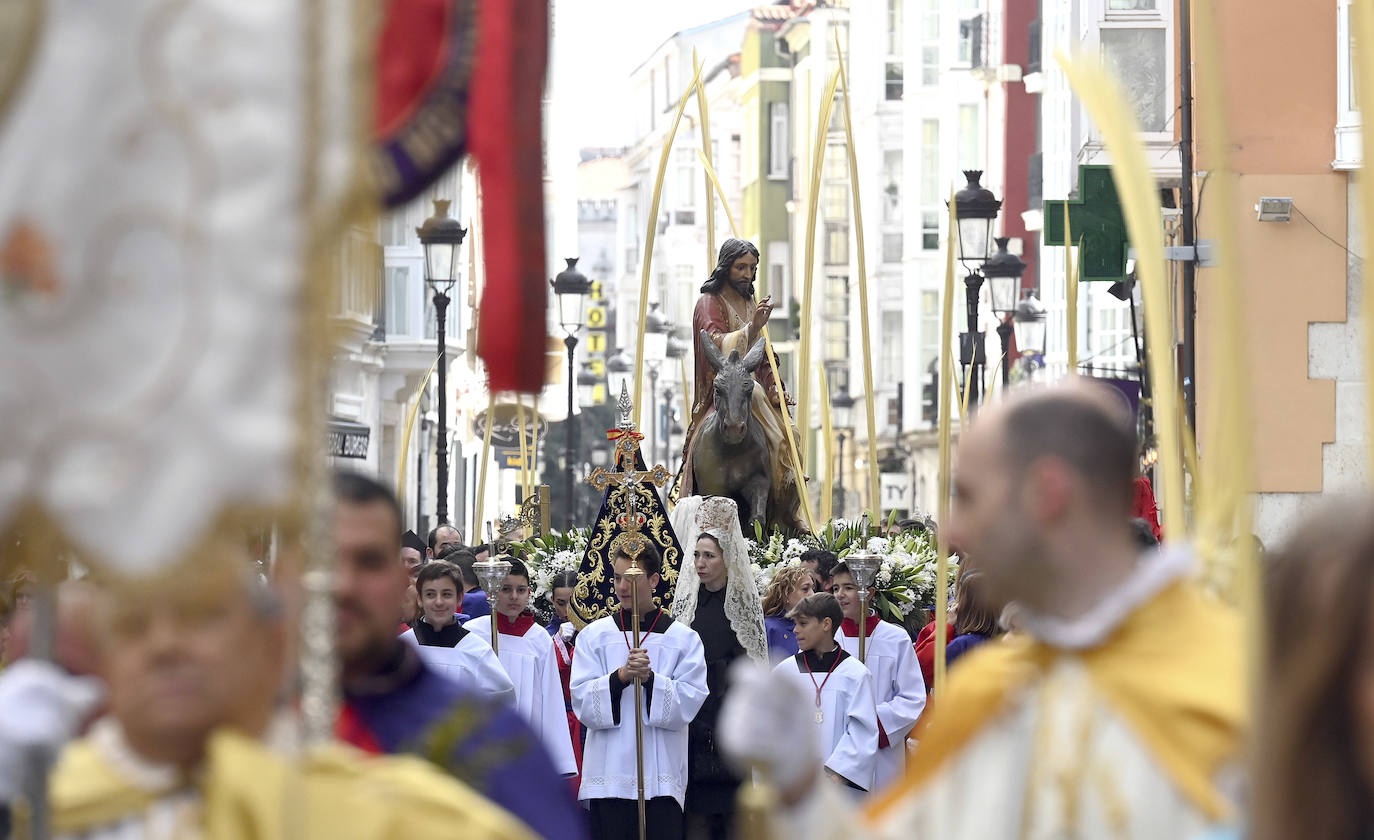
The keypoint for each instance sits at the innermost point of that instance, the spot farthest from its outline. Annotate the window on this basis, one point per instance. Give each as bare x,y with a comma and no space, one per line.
890,360
836,297
836,243
1131,5
397,299
930,230
930,162
777,140
970,137
1347,92
892,247
892,185
838,375
835,201
394,230
836,337
686,178
894,27
893,89
836,163
930,66
1136,56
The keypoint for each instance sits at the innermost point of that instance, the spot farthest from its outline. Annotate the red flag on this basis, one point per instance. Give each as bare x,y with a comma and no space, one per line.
506,138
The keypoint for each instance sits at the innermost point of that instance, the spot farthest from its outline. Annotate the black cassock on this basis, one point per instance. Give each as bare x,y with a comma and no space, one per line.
711,785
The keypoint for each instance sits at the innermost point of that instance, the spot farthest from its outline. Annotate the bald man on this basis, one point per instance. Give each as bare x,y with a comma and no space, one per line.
1116,711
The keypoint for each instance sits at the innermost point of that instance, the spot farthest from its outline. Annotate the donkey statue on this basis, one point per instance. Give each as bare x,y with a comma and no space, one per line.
730,454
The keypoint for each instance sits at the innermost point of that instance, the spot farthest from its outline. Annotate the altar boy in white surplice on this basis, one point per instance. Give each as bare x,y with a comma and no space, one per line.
897,682
845,714
671,665
526,652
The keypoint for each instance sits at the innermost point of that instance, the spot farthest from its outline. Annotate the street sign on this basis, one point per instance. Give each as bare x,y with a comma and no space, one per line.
1097,222
895,490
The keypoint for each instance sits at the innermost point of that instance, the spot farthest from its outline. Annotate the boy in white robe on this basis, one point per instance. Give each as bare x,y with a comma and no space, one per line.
897,682
526,652
845,714
671,666
448,647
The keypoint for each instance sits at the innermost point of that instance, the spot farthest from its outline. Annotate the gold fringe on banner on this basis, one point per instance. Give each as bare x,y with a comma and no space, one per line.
866,339
1109,106
649,236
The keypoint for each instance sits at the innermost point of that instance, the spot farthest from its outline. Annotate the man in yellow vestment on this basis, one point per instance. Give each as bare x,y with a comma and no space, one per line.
1116,709
195,743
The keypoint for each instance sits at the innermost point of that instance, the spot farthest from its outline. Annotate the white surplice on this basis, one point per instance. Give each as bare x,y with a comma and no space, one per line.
848,729
898,686
671,699
532,664
1061,759
470,663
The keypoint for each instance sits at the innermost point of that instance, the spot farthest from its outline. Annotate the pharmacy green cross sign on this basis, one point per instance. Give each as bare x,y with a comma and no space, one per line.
1096,222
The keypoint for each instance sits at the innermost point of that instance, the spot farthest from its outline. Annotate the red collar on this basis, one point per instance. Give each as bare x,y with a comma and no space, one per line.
852,629
514,627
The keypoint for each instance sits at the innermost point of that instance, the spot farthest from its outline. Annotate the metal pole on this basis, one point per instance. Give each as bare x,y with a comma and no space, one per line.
1004,330
635,573
972,283
653,406
441,499
1185,89
571,343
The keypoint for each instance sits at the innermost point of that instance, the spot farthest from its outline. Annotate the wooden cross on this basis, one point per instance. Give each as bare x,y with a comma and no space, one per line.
1097,222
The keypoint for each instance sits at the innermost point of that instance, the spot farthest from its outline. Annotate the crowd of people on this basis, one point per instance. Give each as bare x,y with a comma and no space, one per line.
1094,691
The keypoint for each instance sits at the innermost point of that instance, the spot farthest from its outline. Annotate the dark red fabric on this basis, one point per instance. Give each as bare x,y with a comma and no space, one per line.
882,737
412,50
350,729
506,139
1144,507
850,628
925,652
517,626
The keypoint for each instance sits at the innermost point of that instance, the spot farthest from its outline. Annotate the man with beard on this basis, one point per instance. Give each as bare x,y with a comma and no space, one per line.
727,312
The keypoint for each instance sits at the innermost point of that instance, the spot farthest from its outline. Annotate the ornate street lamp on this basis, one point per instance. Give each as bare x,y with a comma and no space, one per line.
1003,271
619,372
441,235
572,289
842,416
977,208
1029,323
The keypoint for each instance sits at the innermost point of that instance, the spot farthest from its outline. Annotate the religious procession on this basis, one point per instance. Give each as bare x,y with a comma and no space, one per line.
473,427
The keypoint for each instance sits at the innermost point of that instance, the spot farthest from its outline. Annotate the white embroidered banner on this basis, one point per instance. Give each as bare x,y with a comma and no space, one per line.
154,189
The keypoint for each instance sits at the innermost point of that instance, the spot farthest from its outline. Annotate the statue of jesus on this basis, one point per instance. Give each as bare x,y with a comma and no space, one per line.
729,314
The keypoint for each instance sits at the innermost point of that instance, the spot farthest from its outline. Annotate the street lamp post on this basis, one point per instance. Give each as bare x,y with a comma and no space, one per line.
977,209
841,409
440,236
1029,323
572,289
1003,271
677,349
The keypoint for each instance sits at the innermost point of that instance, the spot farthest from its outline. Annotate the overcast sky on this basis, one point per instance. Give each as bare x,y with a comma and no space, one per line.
597,43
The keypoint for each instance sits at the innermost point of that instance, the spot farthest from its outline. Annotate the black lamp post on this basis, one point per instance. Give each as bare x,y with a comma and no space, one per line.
656,331
441,235
1029,323
572,289
677,349
977,209
841,408
1003,271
